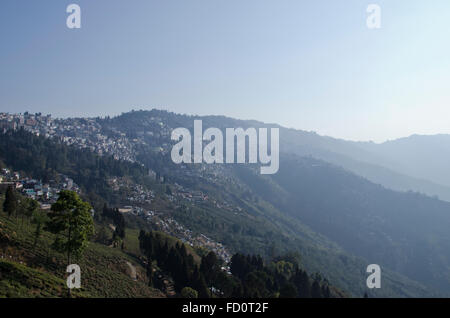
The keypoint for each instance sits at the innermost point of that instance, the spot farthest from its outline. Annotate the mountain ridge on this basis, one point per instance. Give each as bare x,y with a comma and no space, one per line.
273,219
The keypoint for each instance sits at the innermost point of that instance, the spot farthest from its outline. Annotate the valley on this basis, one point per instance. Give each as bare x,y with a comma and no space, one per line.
337,221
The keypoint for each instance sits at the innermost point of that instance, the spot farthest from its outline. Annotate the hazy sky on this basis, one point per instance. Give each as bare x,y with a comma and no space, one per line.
312,65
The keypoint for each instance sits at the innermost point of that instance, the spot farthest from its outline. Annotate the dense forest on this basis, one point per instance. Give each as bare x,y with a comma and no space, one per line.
47,159
249,276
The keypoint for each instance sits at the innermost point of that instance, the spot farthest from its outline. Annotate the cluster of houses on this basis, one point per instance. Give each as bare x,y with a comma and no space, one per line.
85,133
136,193
99,137
138,211
26,121
193,196
172,227
45,193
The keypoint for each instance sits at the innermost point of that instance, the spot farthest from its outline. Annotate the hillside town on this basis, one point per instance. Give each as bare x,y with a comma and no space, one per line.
45,193
88,133
140,200
170,226
85,133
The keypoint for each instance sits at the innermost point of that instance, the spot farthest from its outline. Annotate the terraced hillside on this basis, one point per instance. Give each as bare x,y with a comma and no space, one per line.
35,270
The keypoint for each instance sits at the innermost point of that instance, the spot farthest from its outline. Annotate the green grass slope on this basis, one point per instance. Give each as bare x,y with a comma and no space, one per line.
35,270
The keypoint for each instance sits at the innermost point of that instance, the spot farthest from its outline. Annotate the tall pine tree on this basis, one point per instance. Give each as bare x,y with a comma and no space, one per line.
10,204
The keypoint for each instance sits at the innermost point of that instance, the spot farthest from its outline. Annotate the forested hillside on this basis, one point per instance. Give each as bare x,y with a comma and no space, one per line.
293,204
33,268
406,232
30,267
46,159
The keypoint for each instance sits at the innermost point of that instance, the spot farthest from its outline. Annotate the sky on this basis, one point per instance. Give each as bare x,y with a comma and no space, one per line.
310,65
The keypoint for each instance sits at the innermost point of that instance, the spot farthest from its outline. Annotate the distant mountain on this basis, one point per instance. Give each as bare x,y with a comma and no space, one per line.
420,156
369,161
403,165
404,232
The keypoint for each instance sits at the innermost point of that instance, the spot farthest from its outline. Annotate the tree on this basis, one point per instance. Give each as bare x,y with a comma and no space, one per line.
32,207
316,291
239,266
285,269
119,222
150,273
326,293
288,291
199,284
39,218
210,267
227,284
188,292
26,208
71,221
303,284
102,236
10,204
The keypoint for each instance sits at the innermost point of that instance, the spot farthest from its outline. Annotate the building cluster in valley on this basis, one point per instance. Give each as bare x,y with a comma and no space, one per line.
45,193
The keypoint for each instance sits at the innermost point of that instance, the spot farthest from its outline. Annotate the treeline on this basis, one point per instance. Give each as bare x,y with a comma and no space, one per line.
282,277
173,260
15,205
47,159
69,219
249,276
